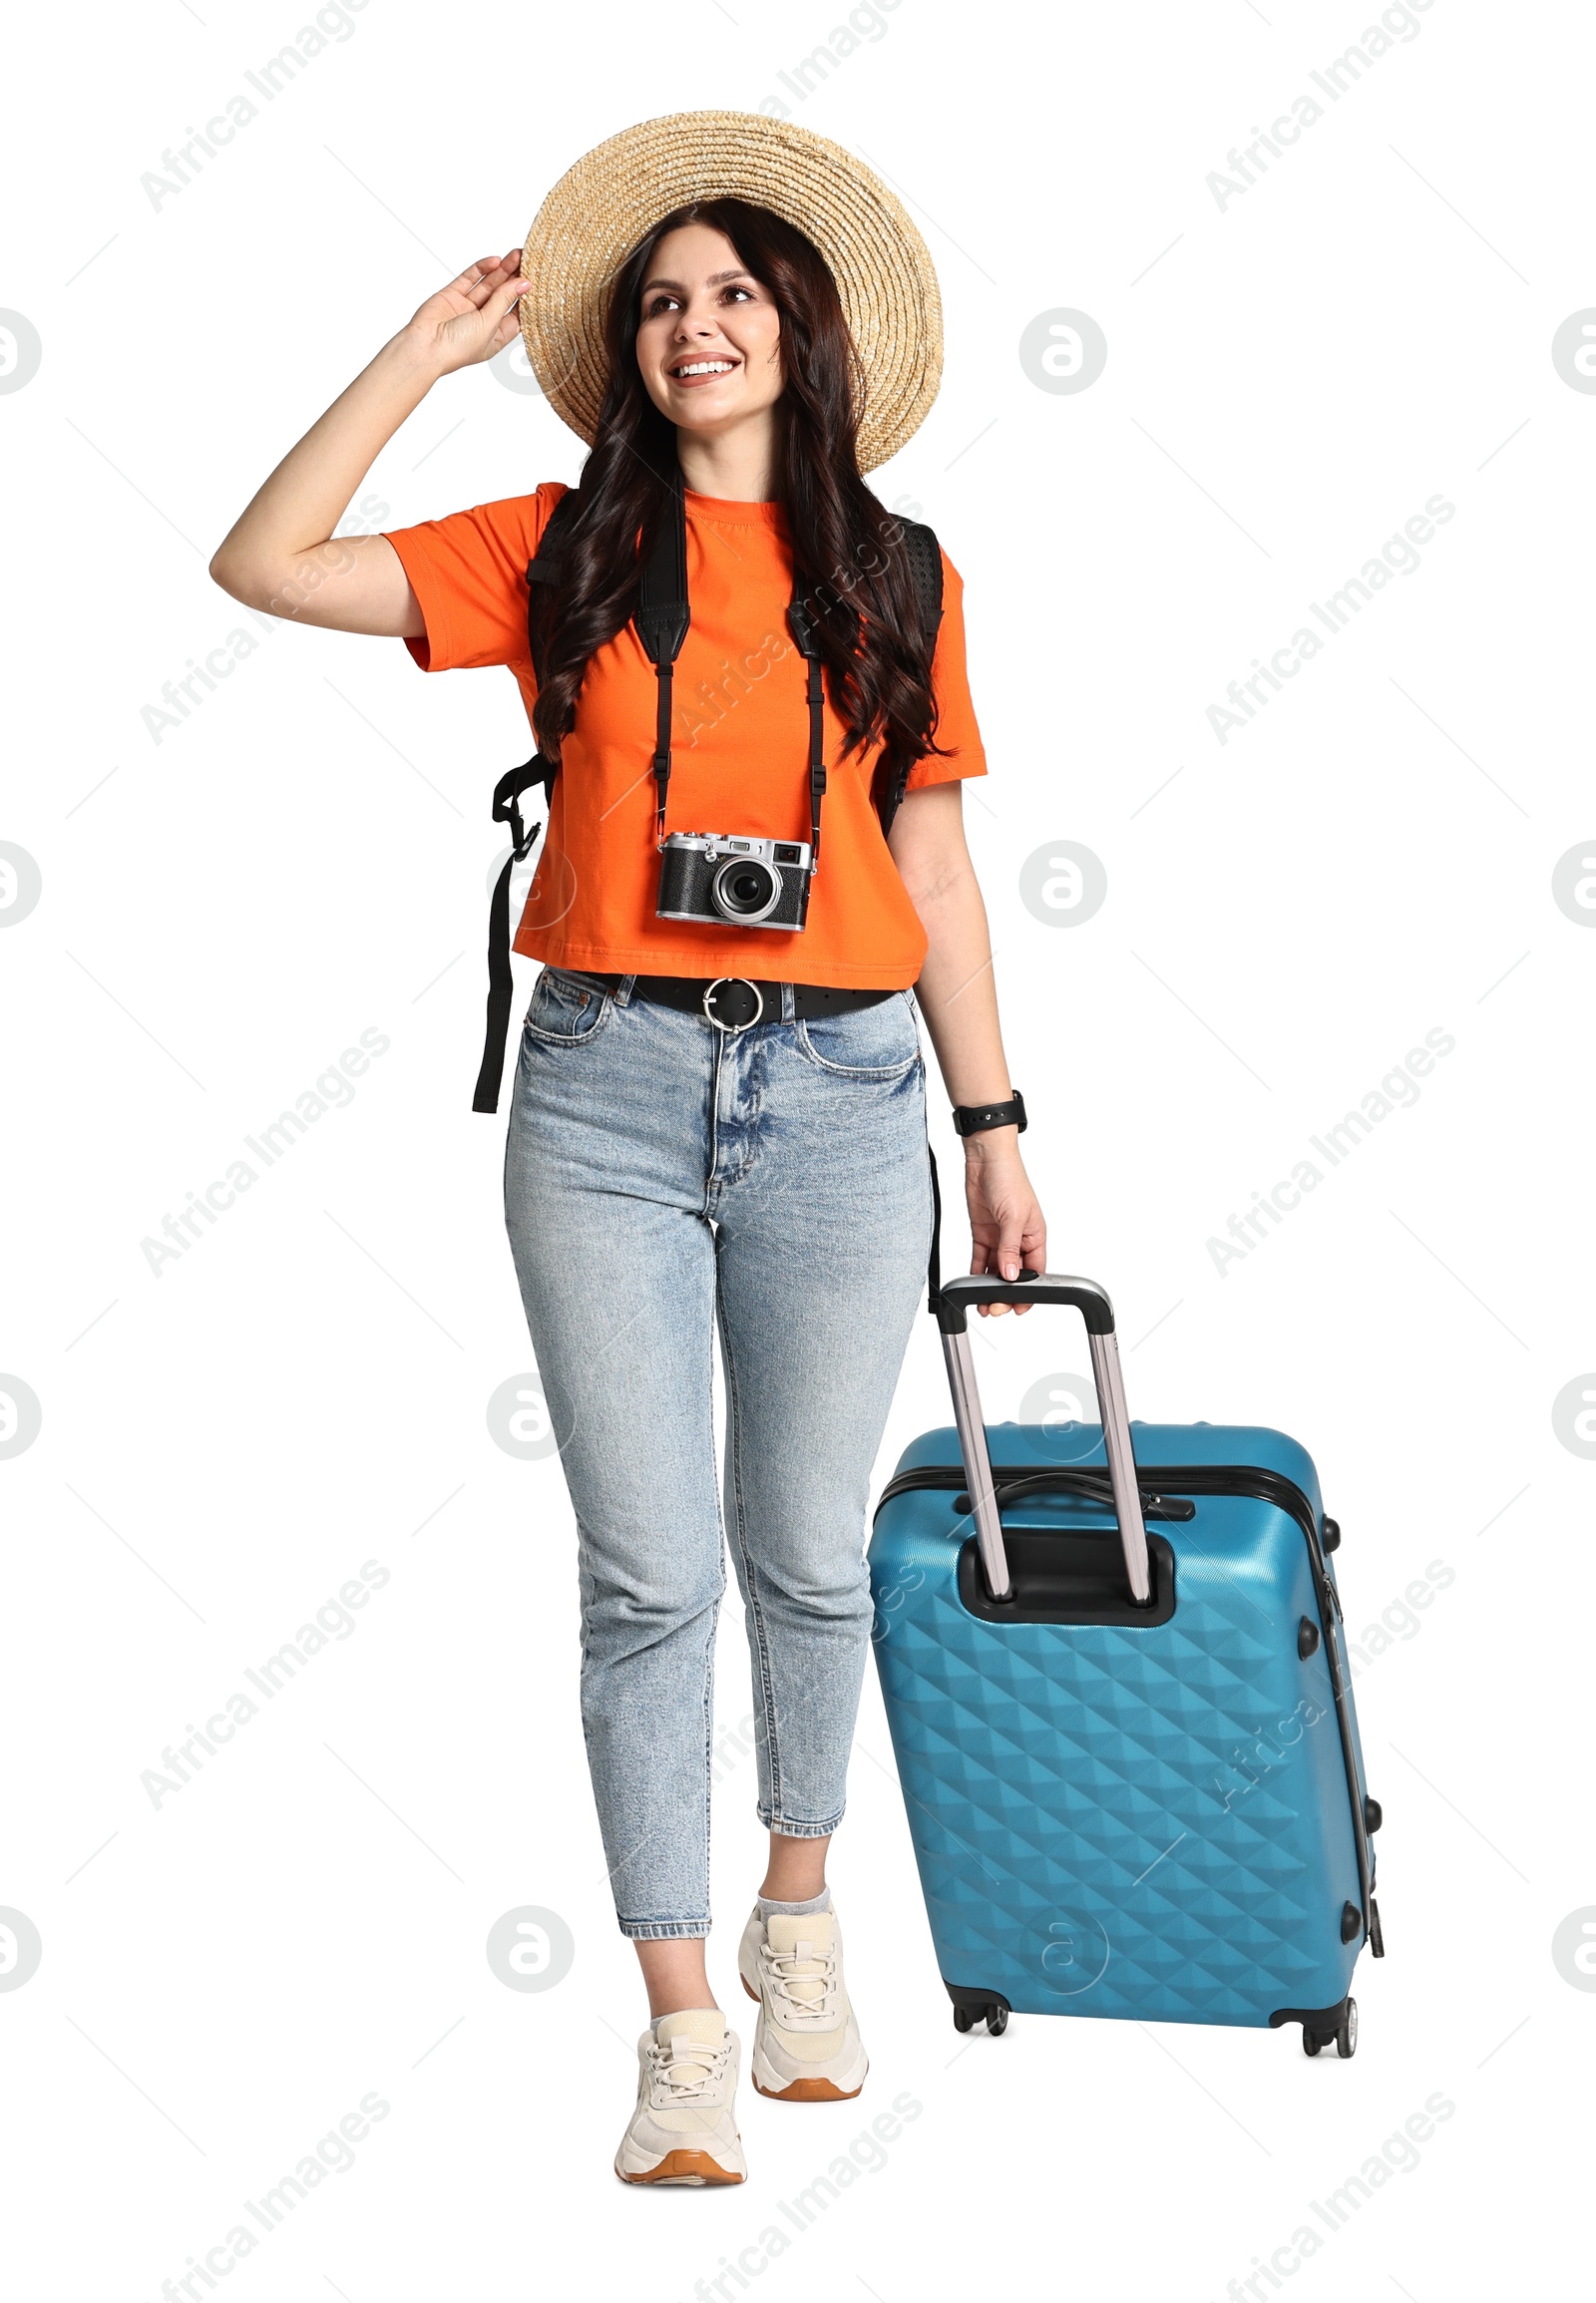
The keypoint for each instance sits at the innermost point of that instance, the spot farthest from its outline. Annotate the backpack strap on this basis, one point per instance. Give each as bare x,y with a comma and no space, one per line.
924,554
547,566
544,568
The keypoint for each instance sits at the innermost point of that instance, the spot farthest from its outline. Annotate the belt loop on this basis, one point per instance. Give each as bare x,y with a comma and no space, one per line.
789,1005
623,991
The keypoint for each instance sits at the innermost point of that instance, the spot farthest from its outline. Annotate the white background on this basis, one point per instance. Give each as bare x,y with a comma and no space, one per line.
305,856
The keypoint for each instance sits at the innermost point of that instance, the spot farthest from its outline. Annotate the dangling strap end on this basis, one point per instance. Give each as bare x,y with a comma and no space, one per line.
934,1264
500,986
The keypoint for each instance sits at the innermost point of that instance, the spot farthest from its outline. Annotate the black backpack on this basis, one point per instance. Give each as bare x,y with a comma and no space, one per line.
662,621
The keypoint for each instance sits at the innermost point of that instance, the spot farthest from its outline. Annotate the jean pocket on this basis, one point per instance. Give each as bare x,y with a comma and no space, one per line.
880,1041
567,1007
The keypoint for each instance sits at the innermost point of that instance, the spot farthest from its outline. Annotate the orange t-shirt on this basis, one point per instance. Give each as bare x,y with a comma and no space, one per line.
739,752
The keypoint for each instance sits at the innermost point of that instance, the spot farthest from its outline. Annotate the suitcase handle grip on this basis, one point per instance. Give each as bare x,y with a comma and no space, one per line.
1092,1301
956,1296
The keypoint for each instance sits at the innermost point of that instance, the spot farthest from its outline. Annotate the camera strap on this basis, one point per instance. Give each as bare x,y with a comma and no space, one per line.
661,620
801,624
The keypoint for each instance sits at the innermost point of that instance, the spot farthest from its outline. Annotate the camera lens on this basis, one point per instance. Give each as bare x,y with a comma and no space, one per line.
745,891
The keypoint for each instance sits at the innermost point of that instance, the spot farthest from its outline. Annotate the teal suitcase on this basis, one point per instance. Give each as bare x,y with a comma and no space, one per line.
1116,1679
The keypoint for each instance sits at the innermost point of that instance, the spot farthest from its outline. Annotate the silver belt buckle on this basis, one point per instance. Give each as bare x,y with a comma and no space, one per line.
721,1023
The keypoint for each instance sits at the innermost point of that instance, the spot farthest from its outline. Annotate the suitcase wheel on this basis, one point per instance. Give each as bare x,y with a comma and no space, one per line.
967,2018
1344,2036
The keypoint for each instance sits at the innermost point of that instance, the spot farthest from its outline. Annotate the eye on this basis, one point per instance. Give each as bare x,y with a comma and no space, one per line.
662,302
747,295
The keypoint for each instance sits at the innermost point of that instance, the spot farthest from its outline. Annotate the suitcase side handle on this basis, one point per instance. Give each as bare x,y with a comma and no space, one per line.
1092,1301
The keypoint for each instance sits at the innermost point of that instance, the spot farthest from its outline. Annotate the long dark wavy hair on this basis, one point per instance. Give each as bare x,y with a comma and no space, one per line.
849,562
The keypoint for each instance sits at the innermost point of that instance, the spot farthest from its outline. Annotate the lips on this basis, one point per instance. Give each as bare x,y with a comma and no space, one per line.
704,370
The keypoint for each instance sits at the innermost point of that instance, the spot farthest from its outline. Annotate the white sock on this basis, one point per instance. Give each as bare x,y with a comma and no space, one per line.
820,1902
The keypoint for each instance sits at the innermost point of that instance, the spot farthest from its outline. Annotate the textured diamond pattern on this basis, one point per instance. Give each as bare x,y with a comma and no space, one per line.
1116,1822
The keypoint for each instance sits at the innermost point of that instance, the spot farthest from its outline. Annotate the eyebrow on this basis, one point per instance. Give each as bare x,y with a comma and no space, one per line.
716,281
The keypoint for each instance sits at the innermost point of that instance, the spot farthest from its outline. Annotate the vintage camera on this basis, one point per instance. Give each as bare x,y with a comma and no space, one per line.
746,882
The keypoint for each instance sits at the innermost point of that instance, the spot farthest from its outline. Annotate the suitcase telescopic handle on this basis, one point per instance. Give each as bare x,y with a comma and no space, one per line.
1086,1296
1083,1296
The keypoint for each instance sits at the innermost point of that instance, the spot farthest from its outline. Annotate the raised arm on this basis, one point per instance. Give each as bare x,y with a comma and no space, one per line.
280,555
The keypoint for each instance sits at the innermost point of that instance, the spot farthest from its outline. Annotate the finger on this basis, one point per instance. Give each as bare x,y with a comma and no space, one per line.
502,297
499,320
472,277
1003,1261
495,272
1033,1254
1007,1261
980,1265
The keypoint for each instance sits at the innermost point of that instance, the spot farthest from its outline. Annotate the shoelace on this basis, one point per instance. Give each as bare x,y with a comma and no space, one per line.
802,1983
688,2069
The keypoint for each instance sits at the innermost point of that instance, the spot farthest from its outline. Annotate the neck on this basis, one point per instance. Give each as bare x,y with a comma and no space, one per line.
738,466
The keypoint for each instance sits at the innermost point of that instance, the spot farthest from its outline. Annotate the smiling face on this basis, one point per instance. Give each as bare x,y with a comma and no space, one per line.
709,335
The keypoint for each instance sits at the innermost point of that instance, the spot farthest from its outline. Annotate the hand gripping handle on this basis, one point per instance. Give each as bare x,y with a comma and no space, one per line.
1092,1301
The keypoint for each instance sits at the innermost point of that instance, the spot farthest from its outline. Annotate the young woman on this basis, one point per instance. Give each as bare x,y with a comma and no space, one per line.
713,1122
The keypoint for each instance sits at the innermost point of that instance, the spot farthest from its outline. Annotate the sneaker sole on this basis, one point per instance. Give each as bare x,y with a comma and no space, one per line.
810,2091
684,2167
815,2090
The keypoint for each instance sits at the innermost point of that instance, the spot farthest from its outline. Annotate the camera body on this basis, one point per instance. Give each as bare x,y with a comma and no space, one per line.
729,880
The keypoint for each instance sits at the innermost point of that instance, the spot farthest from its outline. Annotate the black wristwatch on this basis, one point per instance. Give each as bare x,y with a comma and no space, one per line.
976,1118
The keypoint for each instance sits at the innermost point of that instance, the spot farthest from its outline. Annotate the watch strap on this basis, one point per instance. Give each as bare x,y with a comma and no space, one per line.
978,1118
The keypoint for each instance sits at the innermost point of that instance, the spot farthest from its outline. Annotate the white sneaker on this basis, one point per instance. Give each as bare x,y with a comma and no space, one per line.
807,2048
684,2128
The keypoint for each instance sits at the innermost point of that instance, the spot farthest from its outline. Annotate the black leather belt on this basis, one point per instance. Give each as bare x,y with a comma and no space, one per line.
736,1001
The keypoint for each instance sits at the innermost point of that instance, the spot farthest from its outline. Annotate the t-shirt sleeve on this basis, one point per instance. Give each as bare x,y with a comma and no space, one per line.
469,572
962,753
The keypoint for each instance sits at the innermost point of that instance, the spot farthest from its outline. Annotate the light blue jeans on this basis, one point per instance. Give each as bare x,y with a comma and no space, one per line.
662,1177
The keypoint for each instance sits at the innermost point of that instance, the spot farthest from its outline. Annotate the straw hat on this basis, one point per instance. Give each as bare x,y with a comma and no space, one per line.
603,206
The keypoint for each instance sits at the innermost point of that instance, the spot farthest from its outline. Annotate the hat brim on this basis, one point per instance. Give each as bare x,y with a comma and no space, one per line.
603,206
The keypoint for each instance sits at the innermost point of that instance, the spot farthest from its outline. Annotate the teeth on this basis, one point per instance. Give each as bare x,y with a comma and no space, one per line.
703,368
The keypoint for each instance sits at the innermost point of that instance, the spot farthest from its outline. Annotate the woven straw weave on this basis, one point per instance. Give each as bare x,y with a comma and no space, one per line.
603,206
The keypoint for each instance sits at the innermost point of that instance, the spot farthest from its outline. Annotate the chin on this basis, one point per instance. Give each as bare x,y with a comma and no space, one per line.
709,419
